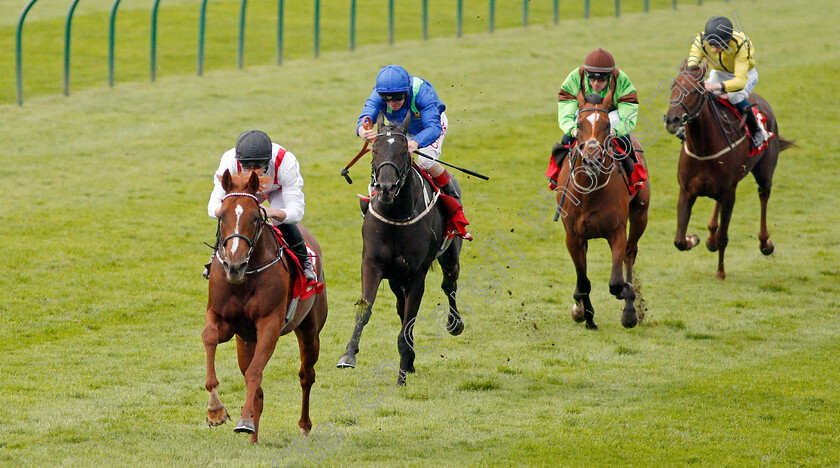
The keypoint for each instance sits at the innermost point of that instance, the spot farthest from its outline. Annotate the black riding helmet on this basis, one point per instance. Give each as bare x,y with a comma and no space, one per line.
253,148
718,31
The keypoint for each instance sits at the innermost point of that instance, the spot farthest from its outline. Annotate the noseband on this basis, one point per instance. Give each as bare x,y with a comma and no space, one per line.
402,173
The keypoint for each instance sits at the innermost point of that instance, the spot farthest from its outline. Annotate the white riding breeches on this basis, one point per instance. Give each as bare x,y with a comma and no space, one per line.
717,76
434,149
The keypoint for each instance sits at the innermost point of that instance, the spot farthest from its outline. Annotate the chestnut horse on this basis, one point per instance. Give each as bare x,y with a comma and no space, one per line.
403,232
251,297
596,203
715,157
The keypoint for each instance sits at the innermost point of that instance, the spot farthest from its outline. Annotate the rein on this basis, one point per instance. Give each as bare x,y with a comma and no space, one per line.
367,124
691,116
429,205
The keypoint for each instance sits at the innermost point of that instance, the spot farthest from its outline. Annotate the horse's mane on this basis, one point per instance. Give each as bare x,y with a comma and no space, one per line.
594,98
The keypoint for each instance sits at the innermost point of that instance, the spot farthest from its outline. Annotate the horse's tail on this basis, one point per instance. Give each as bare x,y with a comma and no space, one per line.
785,143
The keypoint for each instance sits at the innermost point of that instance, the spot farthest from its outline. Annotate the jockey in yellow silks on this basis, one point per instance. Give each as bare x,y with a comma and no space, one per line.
730,57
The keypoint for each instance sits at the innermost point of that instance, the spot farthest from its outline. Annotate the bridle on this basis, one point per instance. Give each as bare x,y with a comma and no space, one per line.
584,147
691,115
402,173
221,254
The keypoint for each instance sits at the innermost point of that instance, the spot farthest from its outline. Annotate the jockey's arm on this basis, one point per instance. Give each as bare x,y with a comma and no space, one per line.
427,104
287,204
628,113
567,104
696,54
228,162
373,105
742,67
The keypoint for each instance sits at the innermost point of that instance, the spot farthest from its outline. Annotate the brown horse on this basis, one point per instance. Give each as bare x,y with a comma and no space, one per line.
715,157
251,297
597,203
404,233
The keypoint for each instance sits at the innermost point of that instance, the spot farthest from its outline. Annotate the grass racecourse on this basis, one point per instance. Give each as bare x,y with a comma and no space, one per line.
102,219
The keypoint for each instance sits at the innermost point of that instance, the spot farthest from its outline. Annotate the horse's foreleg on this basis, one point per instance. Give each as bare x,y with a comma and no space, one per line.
726,205
711,241
765,244
214,333
268,331
405,340
310,346
371,277
244,355
582,310
681,241
449,263
638,224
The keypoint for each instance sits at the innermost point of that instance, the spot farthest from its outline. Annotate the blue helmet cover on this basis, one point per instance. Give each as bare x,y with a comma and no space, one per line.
393,79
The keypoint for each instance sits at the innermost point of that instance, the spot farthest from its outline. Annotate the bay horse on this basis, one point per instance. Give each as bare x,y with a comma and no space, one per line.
715,157
251,297
403,233
597,204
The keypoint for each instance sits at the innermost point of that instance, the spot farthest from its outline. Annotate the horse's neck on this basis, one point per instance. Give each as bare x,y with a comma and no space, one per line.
706,134
405,201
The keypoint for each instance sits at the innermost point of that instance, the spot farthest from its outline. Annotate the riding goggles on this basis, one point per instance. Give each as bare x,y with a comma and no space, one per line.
389,97
598,76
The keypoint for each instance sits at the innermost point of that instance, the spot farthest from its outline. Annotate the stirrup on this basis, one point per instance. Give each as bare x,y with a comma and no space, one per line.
309,271
206,272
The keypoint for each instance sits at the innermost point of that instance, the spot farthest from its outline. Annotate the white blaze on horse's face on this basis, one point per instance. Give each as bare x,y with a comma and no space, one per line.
238,212
391,140
593,118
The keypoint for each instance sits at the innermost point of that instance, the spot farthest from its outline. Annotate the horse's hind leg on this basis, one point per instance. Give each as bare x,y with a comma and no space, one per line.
244,355
215,332
638,224
451,269
763,173
711,241
310,346
582,310
371,277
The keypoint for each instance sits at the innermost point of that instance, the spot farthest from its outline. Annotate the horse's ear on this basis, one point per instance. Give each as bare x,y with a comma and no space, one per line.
403,128
380,119
253,184
227,182
581,100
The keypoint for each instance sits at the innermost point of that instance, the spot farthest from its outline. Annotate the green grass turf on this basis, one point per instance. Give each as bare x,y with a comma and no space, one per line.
102,215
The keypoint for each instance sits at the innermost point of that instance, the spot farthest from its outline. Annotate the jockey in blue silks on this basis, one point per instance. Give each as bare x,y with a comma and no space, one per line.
395,94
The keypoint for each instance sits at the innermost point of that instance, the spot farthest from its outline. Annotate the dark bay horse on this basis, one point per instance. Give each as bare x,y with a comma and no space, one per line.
403,232
715,157
597,204
250,296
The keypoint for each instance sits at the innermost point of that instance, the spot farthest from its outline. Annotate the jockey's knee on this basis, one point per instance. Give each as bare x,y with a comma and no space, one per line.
433,168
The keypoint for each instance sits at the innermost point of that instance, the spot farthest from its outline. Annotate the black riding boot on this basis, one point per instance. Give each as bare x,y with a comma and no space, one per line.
449,186
628,162
560,150
757,135
296,244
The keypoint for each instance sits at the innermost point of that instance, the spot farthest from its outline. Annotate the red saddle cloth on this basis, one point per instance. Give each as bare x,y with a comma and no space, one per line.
456,222
759,117
300,287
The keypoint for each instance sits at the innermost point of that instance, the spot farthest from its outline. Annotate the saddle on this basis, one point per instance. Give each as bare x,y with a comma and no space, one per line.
300,288
760,118
631,163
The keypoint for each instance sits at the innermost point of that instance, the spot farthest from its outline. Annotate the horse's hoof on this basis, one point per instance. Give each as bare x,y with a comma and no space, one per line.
217,417
693,240
455,327
721,275
346,361
629,319
304,431
244,425
712,246
591,326
401,381
768,248
577,313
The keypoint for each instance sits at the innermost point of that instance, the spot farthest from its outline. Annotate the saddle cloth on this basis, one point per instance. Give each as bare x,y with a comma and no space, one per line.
300,288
